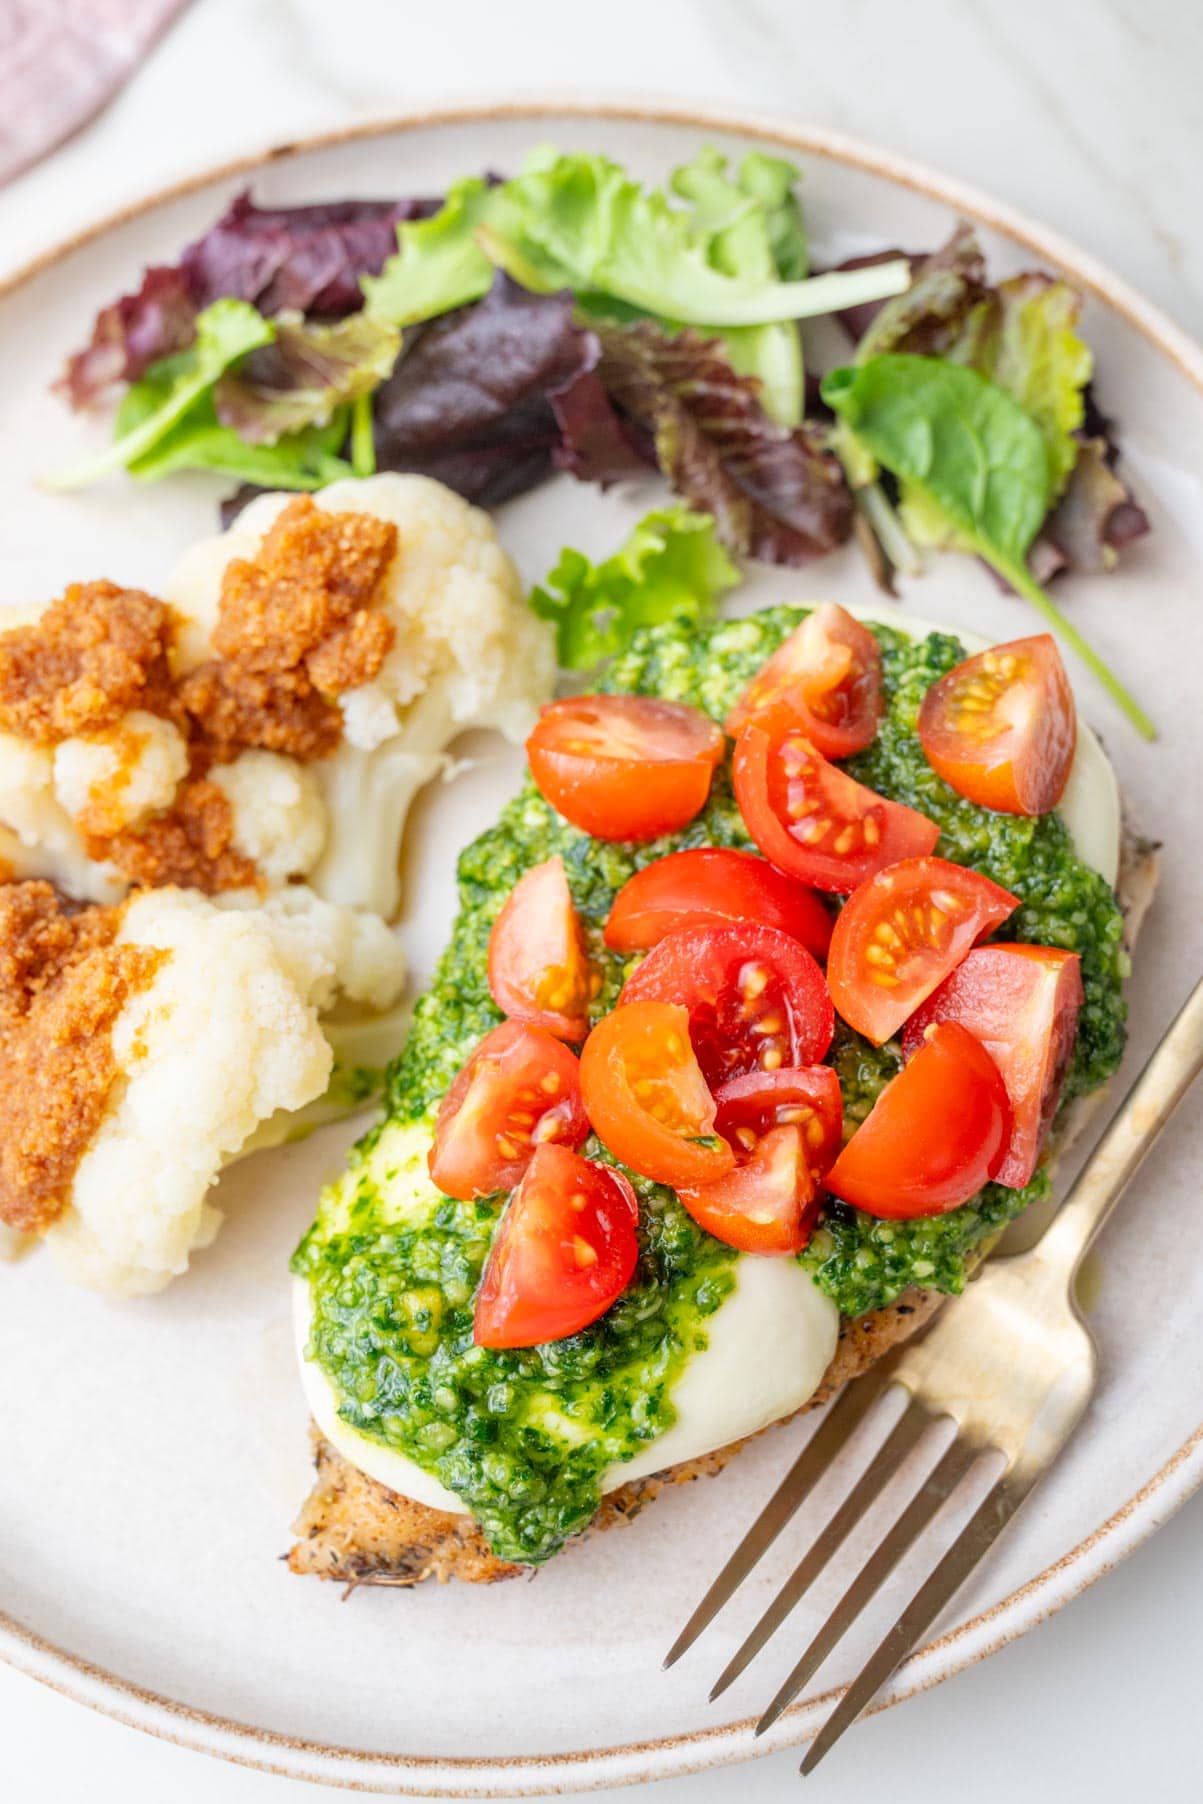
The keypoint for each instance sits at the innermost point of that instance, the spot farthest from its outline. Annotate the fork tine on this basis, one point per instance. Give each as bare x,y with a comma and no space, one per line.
841,1422
936,1488
973,1542
902,1438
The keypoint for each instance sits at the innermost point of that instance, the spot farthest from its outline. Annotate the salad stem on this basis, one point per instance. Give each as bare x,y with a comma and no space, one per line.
1021,579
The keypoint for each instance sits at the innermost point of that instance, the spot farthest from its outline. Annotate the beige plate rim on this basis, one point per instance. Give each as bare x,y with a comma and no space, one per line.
1144,1512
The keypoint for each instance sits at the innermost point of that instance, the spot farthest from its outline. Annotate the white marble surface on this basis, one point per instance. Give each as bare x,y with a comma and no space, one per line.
1085,112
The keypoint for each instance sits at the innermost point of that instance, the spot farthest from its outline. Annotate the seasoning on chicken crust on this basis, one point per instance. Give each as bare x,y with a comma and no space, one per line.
63,983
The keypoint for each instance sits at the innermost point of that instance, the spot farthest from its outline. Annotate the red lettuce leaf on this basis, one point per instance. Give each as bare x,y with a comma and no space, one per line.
132,333
776,494
307,259
490,398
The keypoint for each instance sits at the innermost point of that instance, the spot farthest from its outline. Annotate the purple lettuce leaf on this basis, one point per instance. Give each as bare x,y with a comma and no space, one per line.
490,398
776,494
305,259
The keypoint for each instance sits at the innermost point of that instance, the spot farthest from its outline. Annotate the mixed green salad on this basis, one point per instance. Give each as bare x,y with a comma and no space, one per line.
570,317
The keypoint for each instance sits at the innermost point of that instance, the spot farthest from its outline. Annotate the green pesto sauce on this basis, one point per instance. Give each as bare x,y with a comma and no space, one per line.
524,1437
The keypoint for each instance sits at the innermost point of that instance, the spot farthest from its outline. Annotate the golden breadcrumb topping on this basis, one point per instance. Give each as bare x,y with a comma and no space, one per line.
94,654
191,845
63,983
297,626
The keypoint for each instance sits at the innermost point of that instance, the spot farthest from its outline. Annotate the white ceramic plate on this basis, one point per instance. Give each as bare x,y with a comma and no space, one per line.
154,1452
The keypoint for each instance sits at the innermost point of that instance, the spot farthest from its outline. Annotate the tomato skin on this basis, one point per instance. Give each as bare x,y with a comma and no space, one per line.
776,769
1002,728
646,1097
808,1098
768,1204
1022,1003
826,677
515,1068
901,933
563,1254
756,999
935,1135
712,886
624,767
538,967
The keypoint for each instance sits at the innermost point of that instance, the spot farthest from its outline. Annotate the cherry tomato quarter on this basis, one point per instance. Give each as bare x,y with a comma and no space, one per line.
1002,728
538,967
646,1097
755,998
811,819
936,1134
900,934
563,1254
518,1090
826,677
1022,1003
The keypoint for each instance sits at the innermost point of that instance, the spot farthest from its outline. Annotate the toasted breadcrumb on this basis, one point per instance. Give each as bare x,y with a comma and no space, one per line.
191,845
93,655
63,983
296,625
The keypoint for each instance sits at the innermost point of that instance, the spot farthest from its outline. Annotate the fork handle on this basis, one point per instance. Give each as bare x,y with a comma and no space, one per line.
1167,1076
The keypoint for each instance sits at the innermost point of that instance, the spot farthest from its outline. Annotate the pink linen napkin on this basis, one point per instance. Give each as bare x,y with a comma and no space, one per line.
61,61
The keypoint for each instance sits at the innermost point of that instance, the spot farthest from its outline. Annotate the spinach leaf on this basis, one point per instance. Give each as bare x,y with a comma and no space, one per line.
976,458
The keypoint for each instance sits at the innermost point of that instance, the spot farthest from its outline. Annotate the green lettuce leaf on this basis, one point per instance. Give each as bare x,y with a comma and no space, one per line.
438,264
672,567
307,459
225,332
974,460
1031,348
744,233
581,222
306,372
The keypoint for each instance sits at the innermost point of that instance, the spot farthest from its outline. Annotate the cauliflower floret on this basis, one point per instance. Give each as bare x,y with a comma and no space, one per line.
467,652
122,777
38,838
224,1036
279,813
341,951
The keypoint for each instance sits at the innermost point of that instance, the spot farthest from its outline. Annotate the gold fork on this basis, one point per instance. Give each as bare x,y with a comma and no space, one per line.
1011,1367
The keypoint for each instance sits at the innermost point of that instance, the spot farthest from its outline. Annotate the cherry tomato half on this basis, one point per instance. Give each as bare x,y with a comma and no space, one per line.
624,767
1022,1003
646,1096
784,1129
709,887
901,933
811,819
808,1098
768,1204
756,999
538,967
564,1252
520,1089
935,1135
1002,728
826,677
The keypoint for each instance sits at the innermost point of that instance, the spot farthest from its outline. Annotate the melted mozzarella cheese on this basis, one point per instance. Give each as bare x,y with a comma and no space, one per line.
773,1337
768,1345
